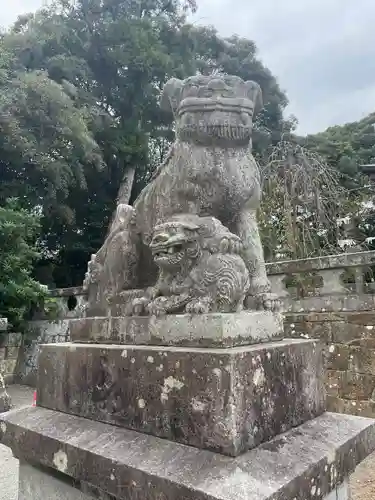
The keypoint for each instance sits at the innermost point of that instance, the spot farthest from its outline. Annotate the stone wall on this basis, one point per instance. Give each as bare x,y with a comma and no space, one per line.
10,345
333,299
43,331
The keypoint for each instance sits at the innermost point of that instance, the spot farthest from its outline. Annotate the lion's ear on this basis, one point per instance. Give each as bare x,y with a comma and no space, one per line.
254,93
170,98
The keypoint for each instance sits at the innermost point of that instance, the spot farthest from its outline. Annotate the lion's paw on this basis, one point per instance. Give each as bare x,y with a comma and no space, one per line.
157,307
139,306
198,306
269,302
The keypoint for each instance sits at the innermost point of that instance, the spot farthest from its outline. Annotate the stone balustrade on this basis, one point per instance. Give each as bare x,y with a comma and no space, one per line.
330,283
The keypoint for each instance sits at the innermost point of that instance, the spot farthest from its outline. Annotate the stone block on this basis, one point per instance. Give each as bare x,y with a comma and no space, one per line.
305,463
357,358
12,352
8,366
360,408
350,385
345,332
227,400
309,330
203,330
3,324
13,339
2,353
5,401
35,484
342,492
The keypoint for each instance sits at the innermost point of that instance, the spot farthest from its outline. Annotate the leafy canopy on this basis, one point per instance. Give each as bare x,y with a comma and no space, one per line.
19,292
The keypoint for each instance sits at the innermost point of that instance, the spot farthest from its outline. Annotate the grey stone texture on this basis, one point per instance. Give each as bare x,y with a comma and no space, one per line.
205,330
226,400
5,401
35,484
3,324
305,463
201,269
349,345
210,171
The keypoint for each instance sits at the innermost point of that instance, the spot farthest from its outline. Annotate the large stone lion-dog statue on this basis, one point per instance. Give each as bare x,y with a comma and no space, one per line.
210,171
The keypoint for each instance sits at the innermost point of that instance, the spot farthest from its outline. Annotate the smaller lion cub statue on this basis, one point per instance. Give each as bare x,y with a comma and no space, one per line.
200,269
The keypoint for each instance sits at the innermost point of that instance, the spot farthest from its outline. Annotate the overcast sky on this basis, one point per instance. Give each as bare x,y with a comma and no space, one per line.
322,51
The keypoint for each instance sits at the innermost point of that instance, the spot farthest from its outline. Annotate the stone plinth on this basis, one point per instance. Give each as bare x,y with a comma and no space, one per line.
202,330
228,400
305,463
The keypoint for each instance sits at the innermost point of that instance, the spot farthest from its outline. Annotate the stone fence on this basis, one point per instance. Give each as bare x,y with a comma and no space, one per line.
335,282
331,298
69,303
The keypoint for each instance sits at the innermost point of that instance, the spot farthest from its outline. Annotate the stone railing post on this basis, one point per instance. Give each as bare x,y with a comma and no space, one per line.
332,283
278,285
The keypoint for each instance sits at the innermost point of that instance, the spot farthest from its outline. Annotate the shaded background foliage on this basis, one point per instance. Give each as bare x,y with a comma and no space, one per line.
79,117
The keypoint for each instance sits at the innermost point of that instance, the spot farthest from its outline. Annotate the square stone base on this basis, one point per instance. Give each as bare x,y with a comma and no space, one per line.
311,462
35,484
199,330
226,400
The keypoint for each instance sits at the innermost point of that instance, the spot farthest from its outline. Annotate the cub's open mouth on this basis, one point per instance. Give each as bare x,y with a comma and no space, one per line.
165,251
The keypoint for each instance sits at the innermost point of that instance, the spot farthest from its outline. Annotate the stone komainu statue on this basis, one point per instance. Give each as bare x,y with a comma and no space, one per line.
200,269
210,171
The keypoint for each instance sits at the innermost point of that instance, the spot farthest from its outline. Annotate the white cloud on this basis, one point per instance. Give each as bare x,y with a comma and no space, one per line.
322,52
15,8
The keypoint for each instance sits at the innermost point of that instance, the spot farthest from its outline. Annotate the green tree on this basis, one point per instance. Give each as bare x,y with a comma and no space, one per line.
109,60
19,292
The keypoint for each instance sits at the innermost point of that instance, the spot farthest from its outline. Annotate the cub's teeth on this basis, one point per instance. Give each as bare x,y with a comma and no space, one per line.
170,250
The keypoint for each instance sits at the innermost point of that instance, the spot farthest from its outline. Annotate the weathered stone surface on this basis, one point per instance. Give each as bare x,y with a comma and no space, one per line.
36,484
339,261
362,408
5,401
330,303
13,339
227,400
207,330
307,329
201,269
350,385
359,359
308,462
8,365
3,324
210,171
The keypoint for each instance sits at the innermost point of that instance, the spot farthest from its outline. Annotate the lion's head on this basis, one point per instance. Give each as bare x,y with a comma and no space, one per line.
183,238
213,107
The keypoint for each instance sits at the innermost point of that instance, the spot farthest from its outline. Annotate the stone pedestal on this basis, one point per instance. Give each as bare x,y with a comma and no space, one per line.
111,463
242,417
227,400
202,330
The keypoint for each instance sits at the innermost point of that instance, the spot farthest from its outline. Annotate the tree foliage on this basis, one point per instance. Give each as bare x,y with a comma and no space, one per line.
302,204
347,148
79,101
19,292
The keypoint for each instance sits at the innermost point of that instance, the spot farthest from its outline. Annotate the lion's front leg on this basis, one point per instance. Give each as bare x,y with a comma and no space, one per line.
168,305
260,296
200,305
139,305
